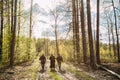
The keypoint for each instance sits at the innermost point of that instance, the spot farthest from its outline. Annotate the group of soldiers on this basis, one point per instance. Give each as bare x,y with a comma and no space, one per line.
52,61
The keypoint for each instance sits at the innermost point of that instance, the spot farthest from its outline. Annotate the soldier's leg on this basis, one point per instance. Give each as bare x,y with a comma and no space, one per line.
60,66
43,66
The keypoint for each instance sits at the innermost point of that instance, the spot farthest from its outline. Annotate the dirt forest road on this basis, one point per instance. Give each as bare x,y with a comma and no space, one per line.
43,75
68,72
56,75
71,72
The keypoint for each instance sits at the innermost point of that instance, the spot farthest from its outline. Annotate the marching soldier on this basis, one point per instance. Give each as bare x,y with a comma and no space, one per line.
43,61
59,60
52,62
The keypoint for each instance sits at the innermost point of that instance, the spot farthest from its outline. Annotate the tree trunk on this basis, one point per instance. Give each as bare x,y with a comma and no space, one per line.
13,32
77,34
73,24
45,45
76,30
11,40
117,36
109,37
83,33
9,27
97,36
92,57
18,30
113,39
31,19
19,19
1,30
30,33
56,35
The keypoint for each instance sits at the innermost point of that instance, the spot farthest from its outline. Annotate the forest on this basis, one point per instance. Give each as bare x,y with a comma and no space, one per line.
84,32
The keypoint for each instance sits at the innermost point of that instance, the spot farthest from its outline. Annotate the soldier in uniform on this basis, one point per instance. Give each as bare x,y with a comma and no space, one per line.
52,62
43,60
59,60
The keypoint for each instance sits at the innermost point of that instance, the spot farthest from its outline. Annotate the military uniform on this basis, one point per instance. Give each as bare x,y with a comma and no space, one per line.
59,60
43,60
52,62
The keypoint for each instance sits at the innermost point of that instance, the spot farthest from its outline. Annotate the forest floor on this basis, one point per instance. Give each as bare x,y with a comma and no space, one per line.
69,71
113,66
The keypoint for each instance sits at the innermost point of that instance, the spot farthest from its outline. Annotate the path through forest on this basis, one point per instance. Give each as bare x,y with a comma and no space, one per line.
55,75
43,75
69,71
72,72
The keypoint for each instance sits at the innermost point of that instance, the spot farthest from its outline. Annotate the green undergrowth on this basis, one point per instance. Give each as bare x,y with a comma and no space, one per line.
78,73
1,65
81,74
55,76
31,72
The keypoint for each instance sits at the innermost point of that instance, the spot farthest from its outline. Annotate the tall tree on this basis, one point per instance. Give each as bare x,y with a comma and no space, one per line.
31,19
1,29
11,40
9,27
19,18
30,31
83,32
116,29
108,25
18,30
13,30
56,32
92,57
46,40
97,36
56,15
77,33
73,25
113,38
76,29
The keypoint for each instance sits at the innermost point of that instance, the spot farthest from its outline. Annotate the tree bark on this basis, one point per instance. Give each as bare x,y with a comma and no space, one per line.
97,36
92,57
18,30
113,39
83,33
116,28
56,34
73,24
9,27
1,30
77,33
19,19
109,37
30,31
11,40
13,32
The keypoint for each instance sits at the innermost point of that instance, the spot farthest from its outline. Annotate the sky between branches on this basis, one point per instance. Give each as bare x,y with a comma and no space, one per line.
50,4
